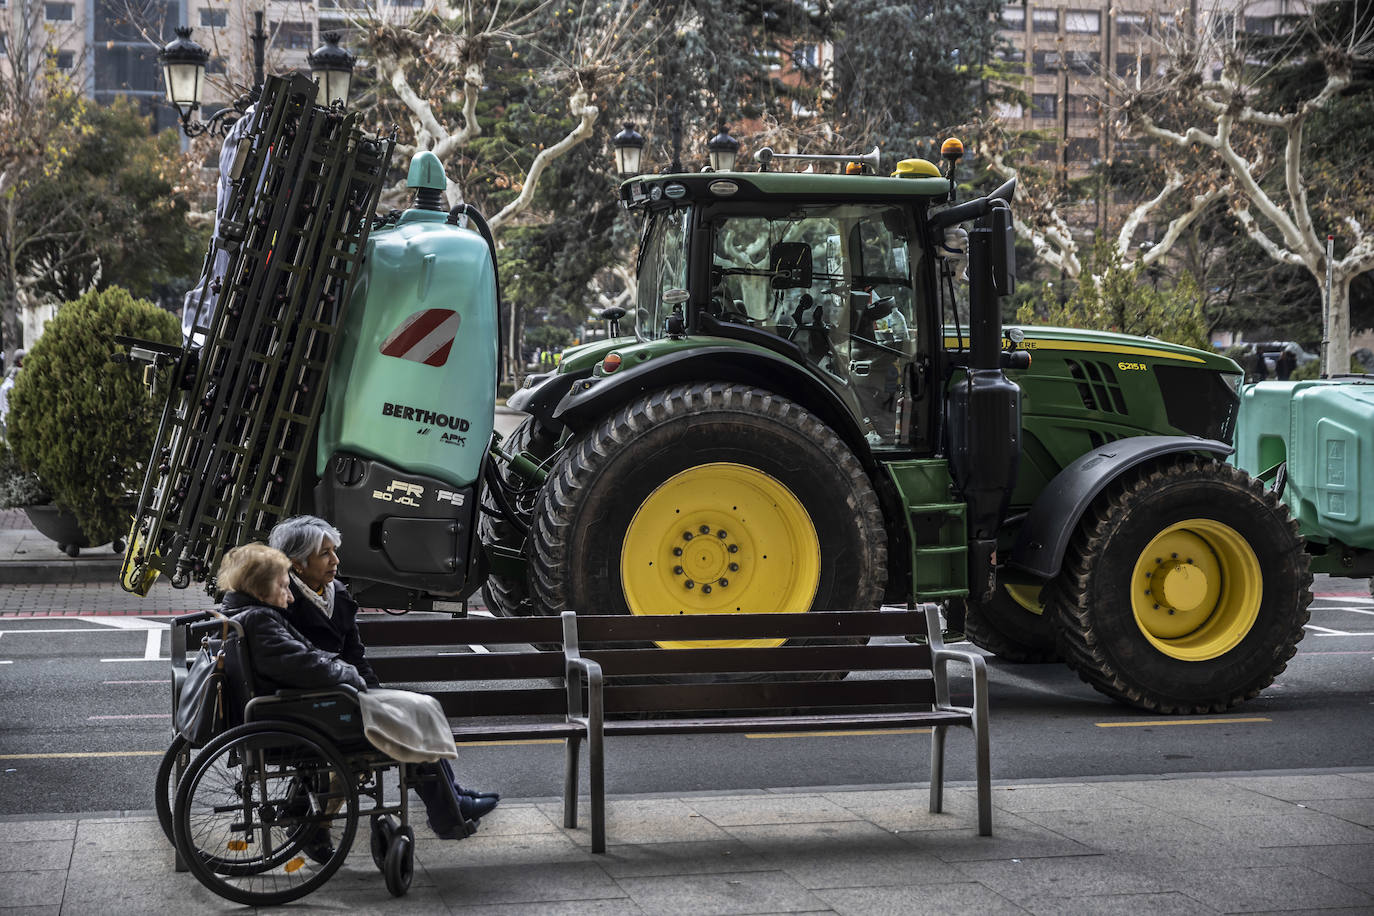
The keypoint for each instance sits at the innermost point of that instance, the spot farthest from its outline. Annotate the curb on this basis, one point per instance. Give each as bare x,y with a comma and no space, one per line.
61,572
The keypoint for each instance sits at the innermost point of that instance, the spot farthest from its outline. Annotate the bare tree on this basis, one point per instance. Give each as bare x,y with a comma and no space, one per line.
1213,107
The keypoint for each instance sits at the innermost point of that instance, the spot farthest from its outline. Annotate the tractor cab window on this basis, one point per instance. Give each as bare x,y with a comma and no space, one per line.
662,273
836,281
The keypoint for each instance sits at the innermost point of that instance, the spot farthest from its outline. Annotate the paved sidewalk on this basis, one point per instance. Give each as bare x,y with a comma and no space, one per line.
1278,843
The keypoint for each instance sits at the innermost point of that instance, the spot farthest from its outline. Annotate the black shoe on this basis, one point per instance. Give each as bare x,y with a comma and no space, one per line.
457,832
473,808
318,846
475,794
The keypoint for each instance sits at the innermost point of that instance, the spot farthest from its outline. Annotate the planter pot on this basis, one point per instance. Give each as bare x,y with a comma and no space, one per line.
58,525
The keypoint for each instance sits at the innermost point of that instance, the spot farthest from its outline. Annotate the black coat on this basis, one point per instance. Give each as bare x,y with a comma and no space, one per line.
337,634
282,656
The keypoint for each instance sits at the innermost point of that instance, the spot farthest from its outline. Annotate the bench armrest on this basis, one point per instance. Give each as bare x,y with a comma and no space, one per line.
939,661
580,671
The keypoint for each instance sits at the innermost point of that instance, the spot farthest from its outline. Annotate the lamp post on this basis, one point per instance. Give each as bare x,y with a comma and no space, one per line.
629,147
723,150
183,67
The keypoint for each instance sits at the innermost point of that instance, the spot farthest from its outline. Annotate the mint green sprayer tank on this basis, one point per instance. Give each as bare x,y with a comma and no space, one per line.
410,406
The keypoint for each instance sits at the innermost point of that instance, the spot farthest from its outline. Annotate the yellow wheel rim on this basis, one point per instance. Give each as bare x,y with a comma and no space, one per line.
720,538
1028,596
1196,590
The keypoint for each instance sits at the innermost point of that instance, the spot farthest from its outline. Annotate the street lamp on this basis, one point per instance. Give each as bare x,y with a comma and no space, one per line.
628,146
722,149
183,71
333,68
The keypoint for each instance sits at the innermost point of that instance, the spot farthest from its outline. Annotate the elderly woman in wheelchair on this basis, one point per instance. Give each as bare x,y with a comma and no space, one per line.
267,810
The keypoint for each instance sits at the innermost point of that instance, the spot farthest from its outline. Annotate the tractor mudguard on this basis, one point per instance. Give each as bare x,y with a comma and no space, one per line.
1054,516
594,397
541,398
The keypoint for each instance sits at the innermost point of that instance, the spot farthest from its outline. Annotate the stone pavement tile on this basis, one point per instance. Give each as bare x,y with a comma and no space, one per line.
642,820
1025,841
1201,797
1148,832
50,828
1360,777
1355,810
34,855
1353,865
32,911
1301,828
1278,888
708,857
465,885
1070,876
337,898
118,835
479,850
32,888
921,900
1302,788
1324,911
1167,904
1068,797
844,854
512,820
731,811
712,895
619,907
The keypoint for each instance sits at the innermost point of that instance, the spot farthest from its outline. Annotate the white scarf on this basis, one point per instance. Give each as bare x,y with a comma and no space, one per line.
325,602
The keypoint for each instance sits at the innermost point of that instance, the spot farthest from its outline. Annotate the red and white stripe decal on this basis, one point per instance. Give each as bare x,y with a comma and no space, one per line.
425,337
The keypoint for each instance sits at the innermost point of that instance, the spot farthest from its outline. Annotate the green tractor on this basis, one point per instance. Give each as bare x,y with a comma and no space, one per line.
817,408
804,418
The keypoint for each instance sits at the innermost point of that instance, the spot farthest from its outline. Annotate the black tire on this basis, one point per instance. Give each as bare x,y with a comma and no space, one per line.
1213,651
164,784
399,867
509,596
245,845
379,841
1009,630
600,483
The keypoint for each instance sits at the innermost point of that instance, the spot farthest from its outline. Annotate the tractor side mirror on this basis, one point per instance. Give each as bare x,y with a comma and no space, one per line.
790,265
1003,248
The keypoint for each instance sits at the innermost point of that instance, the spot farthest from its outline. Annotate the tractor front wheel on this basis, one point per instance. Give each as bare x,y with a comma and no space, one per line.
509,596
1014,625
708,498
1185,590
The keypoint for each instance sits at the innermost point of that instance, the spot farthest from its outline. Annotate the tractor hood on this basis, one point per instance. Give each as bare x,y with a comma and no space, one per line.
1106,345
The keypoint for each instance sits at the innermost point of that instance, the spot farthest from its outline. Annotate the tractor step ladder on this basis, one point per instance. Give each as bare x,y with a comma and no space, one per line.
237,435
937,527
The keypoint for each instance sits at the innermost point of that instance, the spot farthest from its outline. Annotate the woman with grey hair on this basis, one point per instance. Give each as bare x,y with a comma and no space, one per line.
321,608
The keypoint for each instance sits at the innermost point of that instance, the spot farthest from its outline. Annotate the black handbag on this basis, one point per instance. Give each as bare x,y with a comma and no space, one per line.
201,713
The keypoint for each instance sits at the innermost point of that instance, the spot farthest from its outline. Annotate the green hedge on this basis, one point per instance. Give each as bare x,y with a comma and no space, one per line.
83,423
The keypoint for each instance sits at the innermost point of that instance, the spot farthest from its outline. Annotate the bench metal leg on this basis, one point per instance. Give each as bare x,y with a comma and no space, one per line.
570,775
937,769
980,741
597,776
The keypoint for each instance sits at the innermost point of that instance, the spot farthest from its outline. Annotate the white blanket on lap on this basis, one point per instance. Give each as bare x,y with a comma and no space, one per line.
409,727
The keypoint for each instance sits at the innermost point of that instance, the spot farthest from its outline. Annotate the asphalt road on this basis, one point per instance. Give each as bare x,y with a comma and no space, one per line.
84,719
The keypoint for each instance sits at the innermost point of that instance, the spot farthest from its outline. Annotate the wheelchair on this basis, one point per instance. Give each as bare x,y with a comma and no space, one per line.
245,809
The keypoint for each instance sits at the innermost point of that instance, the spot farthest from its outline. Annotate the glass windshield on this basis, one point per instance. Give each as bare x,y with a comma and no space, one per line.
835,280
662,272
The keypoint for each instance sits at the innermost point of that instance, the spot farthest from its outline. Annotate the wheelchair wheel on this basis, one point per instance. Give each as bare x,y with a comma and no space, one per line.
164,784
251,802
399,866
383,829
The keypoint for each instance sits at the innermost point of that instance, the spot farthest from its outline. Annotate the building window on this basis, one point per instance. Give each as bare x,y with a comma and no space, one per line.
295,36
1083,61
3,46
215,66
1047,151
1083,21
1044,105
1046,61
336,25
1082,108
66,60
1013,18
1081,149
1132,24
1261,25
59,12
804,57
214,19
1045,20
1131,65
1011,55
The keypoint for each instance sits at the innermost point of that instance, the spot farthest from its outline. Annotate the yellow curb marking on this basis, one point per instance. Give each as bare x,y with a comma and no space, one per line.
841,734
79,754
1178,722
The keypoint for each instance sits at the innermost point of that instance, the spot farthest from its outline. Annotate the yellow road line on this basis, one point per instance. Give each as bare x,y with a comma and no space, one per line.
840,734
1145,722
81,754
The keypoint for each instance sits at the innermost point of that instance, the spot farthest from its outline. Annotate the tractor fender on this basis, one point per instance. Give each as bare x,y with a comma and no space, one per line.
1044,537
593,398
541,394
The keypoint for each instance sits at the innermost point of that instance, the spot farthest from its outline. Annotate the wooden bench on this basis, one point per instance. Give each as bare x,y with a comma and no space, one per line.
606,678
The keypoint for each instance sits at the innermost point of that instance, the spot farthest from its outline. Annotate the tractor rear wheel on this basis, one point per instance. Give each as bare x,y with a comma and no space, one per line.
708,498
509,596
1014,625
1185,590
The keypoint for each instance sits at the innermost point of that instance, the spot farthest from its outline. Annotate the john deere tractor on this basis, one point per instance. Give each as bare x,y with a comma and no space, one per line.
814,405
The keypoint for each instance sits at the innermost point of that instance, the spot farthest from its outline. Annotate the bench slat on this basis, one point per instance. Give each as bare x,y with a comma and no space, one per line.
813,624
905,656
400,631
775,724
778,695
492,666
515,731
